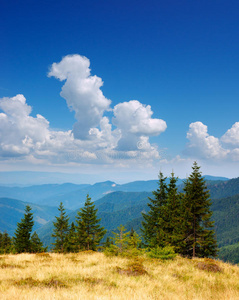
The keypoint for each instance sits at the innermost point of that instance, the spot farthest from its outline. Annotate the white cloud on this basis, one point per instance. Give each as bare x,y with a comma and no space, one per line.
134,121
92,139
82,93
203,145
231,137
19,132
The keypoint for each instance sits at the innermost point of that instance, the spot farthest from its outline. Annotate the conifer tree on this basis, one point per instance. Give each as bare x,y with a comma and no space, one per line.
72,239
174,216
153,223
22,239
61,230
199,235
36,244
121,239
5,243
134,239
89,231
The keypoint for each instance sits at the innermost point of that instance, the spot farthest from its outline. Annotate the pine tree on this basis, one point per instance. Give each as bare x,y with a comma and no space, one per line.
121,239
89,231
173,215
61,230
36,244
153,224
72,239
5,243
22,241
199,236
134,239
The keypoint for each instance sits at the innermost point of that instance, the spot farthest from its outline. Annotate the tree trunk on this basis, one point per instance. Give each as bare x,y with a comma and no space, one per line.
194,237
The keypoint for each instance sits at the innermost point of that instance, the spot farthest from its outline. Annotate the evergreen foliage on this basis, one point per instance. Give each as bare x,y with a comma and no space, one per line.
89,231
181,221
36,244
199,235
173,216
153,229
22,239
72,239
134,239
121,238
61,230
5,243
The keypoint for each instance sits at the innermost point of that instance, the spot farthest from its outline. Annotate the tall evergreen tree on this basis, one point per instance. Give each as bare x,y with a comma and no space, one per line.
89,231
173,215
22,239
153,223
199,235
61,230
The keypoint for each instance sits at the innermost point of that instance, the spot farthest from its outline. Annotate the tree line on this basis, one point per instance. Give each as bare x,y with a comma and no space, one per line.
178,221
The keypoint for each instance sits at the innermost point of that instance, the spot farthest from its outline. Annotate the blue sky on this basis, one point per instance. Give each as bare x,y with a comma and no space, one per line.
181,58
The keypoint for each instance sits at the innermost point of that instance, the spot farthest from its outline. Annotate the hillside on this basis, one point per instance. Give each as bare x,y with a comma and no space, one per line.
73,195
11,212
95,276
113,209
225,215
126,208
224,189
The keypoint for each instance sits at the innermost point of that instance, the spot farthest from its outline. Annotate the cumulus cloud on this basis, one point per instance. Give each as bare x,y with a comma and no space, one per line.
19,132
203,145
82,93
134,121
231,137
93,137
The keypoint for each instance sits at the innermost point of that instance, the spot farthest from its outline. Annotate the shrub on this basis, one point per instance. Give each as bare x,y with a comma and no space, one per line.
162,253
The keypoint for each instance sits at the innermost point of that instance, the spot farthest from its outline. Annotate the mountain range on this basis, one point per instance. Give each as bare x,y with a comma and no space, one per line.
116,204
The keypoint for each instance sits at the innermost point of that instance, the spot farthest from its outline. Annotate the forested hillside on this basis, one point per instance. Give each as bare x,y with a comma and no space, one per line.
11,212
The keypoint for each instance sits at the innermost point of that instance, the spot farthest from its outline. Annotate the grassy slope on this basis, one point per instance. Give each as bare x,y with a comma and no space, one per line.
94,277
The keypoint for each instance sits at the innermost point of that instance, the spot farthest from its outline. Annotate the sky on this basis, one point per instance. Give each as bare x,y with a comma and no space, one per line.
119,89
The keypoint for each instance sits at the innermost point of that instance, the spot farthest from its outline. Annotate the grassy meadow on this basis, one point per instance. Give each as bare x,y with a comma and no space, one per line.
97,277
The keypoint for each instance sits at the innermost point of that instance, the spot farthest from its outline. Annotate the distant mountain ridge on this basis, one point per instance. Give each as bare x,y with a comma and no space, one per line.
12,210
73,195
117,204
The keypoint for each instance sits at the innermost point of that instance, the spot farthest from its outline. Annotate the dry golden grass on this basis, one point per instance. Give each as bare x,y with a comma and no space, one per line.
97,277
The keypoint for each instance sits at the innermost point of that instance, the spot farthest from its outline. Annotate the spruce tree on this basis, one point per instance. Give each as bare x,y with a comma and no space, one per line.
121,239
173,215
36,244
89,231
22,239
72,239
61,230
199,235
154,222
5,243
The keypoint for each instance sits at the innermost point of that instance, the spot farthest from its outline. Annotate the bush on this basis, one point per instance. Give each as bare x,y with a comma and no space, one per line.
162,253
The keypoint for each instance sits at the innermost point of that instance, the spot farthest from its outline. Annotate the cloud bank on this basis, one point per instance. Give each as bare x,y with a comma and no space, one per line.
204,146
102,133
123,136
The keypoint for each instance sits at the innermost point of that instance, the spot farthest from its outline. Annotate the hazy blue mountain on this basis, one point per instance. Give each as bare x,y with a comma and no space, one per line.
215,178
76,199
28,178
73,195
126,208
12,210
113,209
36,193
223,189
